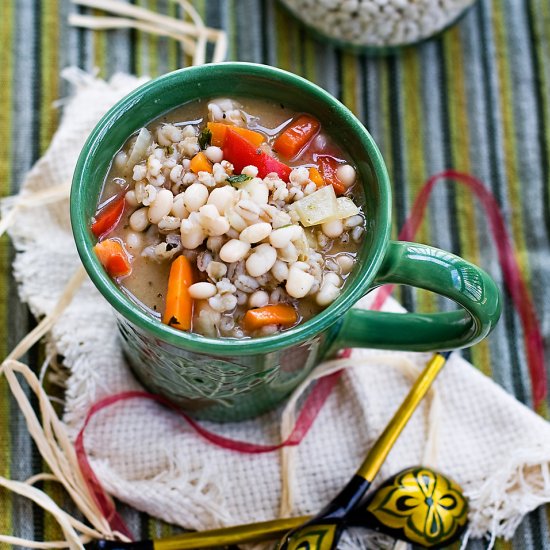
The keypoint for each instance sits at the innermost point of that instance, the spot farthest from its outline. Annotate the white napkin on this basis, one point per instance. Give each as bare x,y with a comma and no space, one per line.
497,449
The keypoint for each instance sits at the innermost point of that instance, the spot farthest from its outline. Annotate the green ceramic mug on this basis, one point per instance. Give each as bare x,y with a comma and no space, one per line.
227,379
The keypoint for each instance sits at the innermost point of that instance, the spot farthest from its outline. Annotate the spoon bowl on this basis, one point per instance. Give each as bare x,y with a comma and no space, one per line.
418,505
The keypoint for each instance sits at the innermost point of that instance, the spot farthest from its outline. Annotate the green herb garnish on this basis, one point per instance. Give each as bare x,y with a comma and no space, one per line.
241,178
205,138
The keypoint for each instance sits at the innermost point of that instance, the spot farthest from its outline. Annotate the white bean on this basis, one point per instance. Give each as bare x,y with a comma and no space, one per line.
260,298
192,234
332,278
333,229
233,251
202,291
214,154
327,294
281,237
346,174
161,206
258,192
139,220
209,212
213,224
236,221
195,196
288,253
357,233
299,282
131,198
280,270
261,260
255,233
133,241
301,265
353,221
222,198
121,159
268,330
215,112
232,233
248,209
242,297
345,262
217,228
178,208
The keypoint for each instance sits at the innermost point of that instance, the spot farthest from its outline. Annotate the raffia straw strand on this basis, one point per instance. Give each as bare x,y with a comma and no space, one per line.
109,23
220,49
46,503
129,10
56,449
38,496
50,436
40,477
200,52
288,419
8,219
38,198
47,322
434,426
82,527
25,543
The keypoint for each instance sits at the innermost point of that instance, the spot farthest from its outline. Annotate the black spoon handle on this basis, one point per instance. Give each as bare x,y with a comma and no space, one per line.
215,538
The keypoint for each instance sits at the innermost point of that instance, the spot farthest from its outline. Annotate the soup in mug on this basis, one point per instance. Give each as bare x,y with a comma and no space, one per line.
230,218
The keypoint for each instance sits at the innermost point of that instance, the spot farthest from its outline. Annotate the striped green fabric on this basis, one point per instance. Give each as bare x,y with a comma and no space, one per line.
476,98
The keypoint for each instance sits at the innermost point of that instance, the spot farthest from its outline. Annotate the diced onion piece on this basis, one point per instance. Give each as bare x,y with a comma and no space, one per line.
318,207
139,150
346,208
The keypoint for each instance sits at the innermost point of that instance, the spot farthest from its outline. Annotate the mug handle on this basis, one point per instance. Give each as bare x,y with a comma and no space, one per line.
432,269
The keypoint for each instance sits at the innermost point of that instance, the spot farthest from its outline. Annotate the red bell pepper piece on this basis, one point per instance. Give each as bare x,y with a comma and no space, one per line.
240,153
108,217
328,166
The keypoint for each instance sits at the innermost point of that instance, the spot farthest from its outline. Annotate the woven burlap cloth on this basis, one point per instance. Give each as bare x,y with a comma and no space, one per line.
468,427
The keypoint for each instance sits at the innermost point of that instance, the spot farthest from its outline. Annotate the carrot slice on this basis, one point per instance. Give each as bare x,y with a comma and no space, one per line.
178,312
113,257
316,178
328,166
296,136
219,130
200,163
109,216
279,314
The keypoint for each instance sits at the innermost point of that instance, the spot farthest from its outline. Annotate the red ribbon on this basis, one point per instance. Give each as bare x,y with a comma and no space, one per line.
511,272
310,409
323,387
